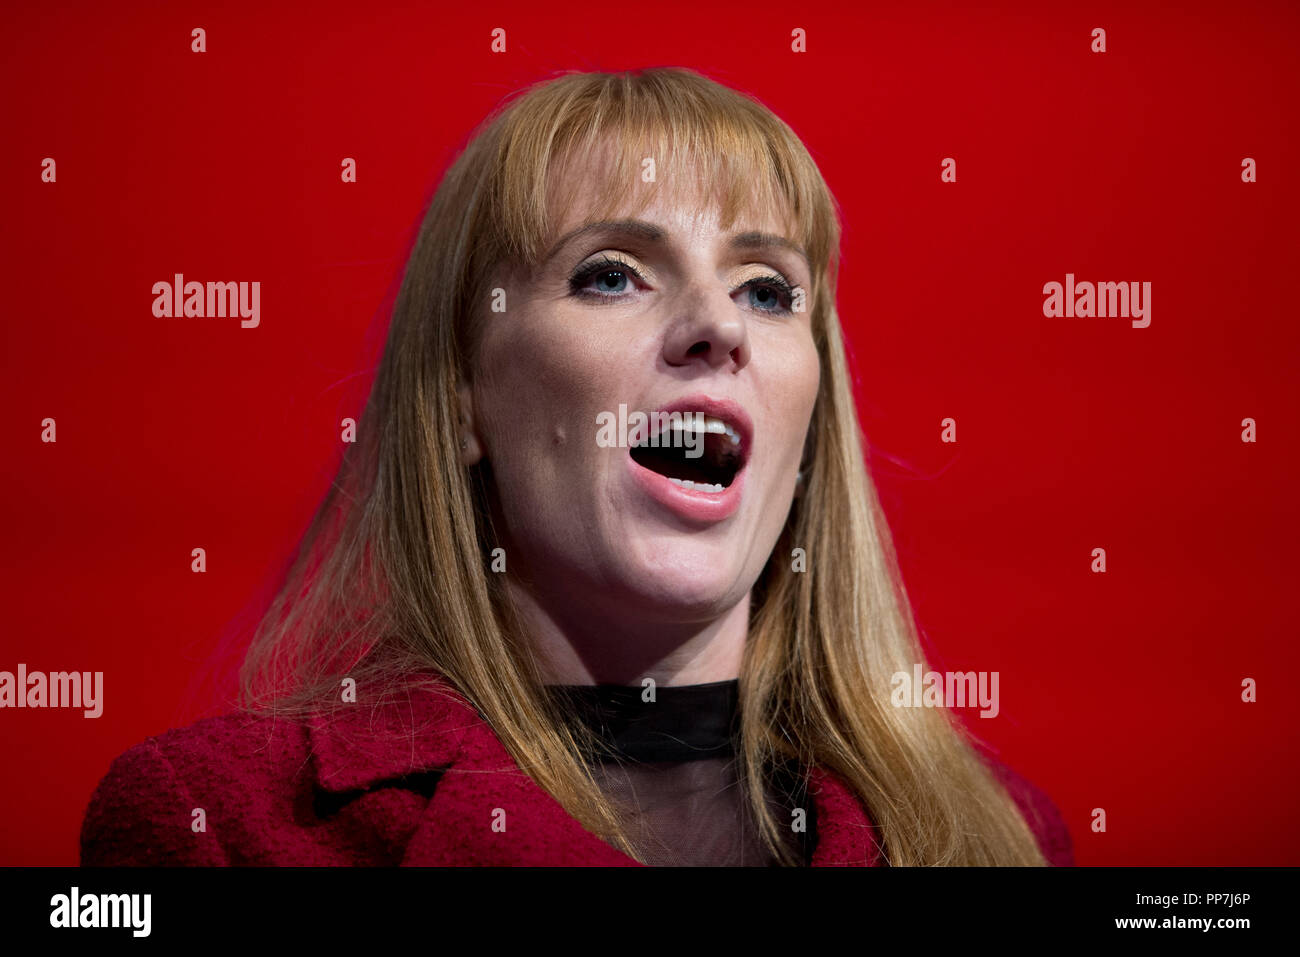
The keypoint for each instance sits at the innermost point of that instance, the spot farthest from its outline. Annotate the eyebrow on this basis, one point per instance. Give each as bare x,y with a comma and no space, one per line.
648,231
757,240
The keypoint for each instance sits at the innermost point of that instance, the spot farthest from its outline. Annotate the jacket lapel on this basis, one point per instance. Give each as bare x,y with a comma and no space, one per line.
485,810
416,728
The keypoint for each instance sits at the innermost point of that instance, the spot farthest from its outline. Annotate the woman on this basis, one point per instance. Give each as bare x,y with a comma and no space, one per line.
604,579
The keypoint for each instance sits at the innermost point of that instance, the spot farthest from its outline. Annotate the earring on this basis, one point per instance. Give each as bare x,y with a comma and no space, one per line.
464,443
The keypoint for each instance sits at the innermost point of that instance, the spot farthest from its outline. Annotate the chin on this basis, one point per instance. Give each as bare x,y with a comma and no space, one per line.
690,577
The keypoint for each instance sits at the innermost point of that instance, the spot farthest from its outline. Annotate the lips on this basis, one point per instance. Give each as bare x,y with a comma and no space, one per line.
694,460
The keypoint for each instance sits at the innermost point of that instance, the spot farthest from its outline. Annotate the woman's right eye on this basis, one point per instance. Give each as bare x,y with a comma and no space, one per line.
605,278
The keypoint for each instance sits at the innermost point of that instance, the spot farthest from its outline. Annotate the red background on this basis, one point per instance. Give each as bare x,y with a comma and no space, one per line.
1119,691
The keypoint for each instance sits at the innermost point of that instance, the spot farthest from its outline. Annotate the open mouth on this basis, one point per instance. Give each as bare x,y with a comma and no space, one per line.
696,451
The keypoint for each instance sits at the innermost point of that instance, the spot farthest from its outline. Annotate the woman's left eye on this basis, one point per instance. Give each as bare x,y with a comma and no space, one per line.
769,294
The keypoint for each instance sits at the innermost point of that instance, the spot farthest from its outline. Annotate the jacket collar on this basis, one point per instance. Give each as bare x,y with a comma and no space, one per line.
426,725
418,726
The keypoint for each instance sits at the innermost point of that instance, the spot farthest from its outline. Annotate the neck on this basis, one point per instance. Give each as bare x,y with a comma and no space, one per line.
581,643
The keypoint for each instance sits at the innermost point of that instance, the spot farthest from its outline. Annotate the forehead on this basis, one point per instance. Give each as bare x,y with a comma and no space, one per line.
686,198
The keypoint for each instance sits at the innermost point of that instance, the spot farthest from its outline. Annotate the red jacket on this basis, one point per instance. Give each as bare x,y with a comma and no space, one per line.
415,781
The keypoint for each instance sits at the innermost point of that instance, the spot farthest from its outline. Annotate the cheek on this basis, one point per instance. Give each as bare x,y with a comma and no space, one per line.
801,380
539,387
524,382
811,378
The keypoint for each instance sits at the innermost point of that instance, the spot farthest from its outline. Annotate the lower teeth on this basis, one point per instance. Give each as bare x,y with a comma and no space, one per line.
696,486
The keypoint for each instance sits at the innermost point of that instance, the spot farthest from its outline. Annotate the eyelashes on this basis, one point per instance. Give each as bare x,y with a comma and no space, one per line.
607,264
772,288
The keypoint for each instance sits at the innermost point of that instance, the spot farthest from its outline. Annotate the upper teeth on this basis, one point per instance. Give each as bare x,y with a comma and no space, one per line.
690,421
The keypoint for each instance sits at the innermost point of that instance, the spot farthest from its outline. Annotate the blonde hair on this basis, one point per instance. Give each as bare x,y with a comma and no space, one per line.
391,577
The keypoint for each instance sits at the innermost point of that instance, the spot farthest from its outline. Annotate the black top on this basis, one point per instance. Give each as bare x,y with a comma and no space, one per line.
673,762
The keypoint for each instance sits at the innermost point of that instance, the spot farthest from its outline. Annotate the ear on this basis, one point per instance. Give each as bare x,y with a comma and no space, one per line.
469,446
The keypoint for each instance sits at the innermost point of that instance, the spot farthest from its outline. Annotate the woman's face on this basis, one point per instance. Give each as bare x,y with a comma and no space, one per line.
668,314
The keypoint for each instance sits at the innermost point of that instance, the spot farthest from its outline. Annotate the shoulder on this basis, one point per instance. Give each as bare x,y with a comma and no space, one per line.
344,784
158,798
1040,812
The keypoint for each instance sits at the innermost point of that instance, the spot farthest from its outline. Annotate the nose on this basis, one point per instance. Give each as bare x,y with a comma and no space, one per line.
707,327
